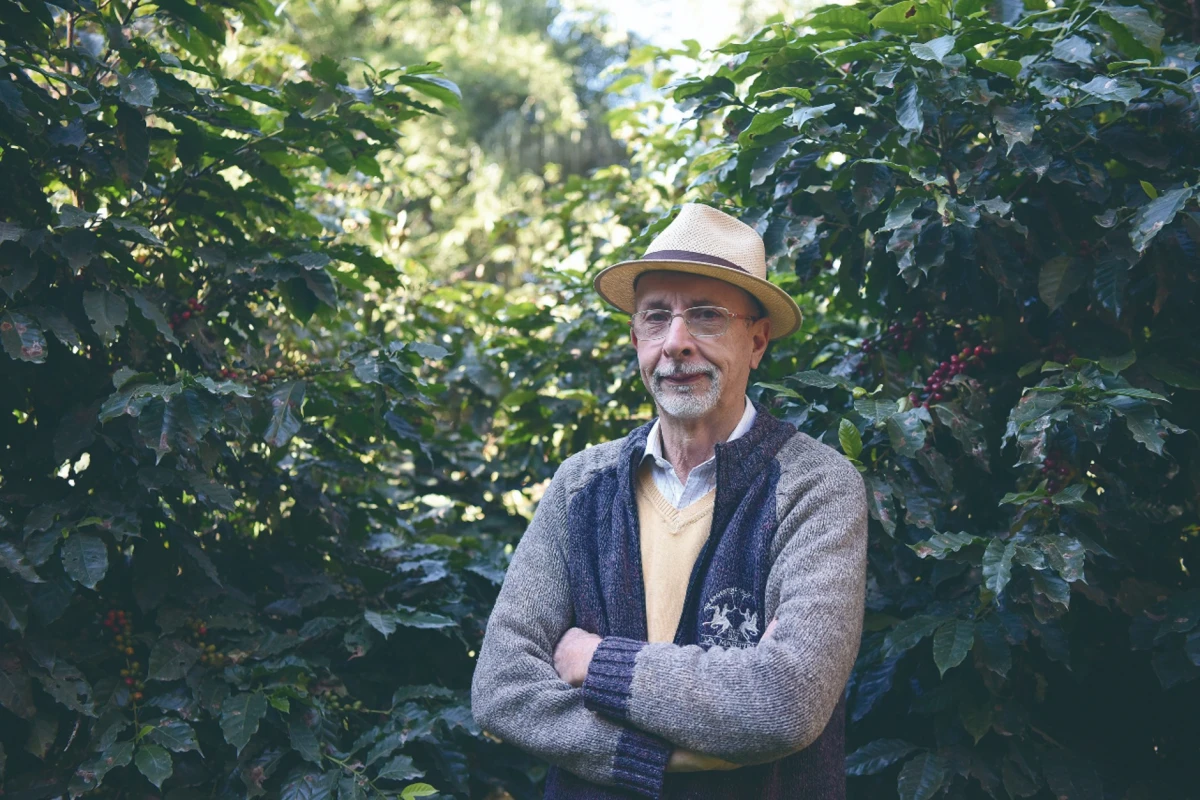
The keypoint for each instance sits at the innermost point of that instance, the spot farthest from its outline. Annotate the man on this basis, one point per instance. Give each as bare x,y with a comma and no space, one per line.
629,640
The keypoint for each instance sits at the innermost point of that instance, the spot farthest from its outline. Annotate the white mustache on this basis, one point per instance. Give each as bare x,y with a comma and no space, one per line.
675,369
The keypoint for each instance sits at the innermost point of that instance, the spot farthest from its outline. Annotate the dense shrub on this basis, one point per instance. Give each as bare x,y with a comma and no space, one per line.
304,466
224,572
996,222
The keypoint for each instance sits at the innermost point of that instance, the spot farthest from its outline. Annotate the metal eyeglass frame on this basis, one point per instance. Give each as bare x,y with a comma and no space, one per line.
725,312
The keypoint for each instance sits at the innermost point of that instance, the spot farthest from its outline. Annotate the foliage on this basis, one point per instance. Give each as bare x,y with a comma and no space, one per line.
225,574
275,423
992,212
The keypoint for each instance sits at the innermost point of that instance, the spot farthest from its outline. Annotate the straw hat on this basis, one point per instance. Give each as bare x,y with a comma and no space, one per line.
705,241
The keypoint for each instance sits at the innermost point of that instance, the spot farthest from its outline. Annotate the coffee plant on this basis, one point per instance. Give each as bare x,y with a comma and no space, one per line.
258,483
992,211
223,571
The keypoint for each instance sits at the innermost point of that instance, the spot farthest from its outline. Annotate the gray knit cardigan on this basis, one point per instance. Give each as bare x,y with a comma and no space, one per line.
788,541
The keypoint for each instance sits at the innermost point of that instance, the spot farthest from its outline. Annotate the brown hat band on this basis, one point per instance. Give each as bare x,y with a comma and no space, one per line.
688,255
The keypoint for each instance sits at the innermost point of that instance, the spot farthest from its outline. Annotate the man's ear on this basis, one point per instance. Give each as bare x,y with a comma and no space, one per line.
760,337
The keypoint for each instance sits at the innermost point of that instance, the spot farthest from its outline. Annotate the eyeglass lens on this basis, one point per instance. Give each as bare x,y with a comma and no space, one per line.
700,321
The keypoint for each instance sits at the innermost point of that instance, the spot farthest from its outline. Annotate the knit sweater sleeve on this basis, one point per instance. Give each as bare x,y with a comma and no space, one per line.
760,703
516,693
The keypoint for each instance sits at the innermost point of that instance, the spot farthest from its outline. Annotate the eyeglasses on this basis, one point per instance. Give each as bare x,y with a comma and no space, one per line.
703,322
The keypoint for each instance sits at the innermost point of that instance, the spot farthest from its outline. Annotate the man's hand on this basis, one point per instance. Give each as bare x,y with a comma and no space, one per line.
690,761
573,655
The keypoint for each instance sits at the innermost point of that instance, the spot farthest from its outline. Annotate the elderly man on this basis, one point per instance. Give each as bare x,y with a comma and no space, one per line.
630,644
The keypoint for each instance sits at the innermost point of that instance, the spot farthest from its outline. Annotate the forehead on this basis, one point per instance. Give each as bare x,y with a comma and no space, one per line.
679,288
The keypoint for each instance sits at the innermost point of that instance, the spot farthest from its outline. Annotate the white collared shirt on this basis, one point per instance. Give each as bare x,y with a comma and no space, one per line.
702,479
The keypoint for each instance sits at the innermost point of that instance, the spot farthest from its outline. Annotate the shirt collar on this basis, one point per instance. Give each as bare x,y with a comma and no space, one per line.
654,438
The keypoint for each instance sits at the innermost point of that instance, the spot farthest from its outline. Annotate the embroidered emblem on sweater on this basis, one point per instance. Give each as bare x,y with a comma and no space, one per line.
733,621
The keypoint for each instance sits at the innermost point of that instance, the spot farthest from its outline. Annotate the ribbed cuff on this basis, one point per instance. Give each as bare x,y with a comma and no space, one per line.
641,763
609,676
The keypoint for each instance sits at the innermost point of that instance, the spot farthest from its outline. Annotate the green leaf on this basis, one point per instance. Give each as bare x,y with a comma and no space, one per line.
875,410
1137,21
429,350
417,790
13,560
240,716
803,114
850,439
310,786
1002,66
1133,391
941,545
85,558
907,431
138,89
155,763
1143,422
993,647
1149,189
16,689
909,110
976,718
997,565
922,777
1065,555
908,16
1015,125
434,86
1020,498
818,379
90,774
170,659
106,311
1118,364
21,338
43,730
1059,278
175,735
1156,215
763,122
303,740
783,391
1120,90
1176,373
1032,406
844,18
877,756
908,633
154,315
951,643
933,50
384,622
156,426
399,768
1073,50
286,404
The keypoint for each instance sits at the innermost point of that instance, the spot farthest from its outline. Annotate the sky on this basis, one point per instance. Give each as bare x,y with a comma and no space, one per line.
669,22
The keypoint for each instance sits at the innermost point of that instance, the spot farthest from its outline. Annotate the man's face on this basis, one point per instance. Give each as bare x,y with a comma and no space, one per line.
690,377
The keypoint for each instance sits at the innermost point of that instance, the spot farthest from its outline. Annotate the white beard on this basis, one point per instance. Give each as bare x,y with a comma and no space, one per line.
684,402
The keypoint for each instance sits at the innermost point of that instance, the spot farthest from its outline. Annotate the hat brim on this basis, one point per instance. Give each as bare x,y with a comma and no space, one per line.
615,284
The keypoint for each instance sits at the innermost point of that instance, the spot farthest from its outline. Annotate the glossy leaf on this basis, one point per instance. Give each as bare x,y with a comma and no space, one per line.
877,755
921,777
951,643
85,558
154,762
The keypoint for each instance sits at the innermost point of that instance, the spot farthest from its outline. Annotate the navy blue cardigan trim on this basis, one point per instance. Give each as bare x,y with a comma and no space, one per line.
610,673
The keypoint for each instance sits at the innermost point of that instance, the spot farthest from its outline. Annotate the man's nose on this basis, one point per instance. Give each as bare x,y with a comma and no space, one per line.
678,342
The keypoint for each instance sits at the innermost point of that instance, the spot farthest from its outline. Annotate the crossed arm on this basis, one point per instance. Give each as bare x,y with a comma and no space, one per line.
644,705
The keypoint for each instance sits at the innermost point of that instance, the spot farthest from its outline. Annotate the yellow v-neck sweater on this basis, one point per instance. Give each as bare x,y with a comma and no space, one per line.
671,538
